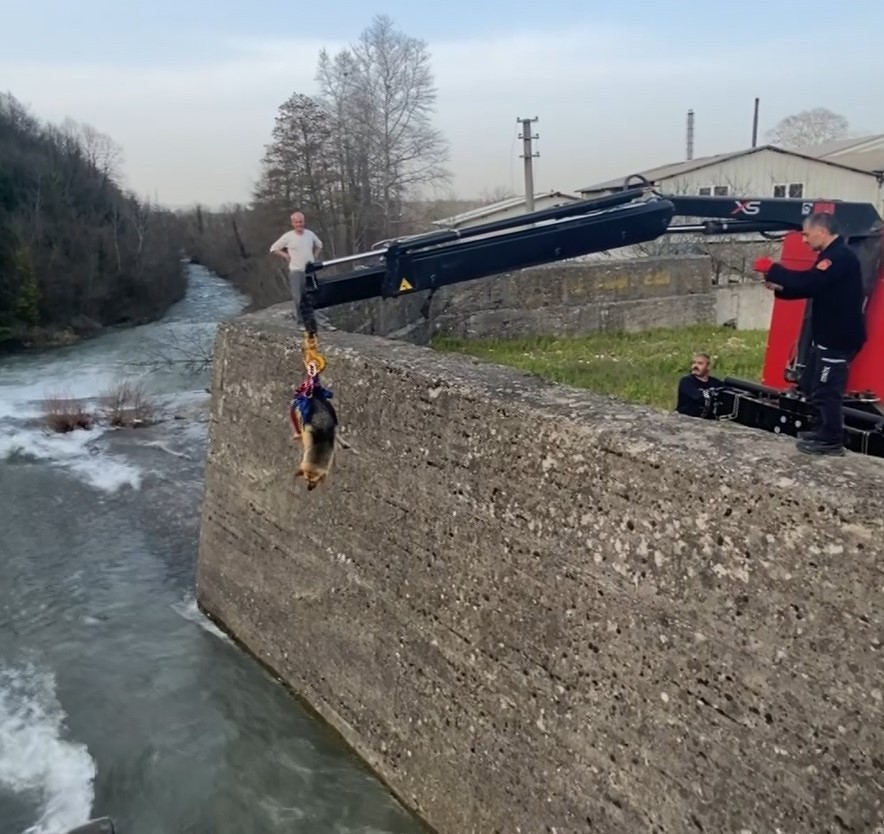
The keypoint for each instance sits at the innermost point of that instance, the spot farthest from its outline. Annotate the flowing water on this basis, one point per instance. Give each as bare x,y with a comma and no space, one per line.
117,697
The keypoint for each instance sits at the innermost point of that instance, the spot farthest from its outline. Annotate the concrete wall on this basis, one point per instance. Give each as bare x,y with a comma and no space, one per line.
570,297
533,609
748,306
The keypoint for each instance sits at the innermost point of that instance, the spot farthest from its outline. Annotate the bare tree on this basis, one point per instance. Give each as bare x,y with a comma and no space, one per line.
190,351
16,116
101,151
382,95
397,83
337,79
809,127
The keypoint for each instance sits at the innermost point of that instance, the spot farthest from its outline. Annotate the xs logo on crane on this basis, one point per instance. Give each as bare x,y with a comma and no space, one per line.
748,207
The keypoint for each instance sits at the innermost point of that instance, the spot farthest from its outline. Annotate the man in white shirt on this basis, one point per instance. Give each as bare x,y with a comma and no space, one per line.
297,248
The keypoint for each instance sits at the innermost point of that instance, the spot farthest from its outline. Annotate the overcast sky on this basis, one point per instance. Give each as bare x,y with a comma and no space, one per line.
190,88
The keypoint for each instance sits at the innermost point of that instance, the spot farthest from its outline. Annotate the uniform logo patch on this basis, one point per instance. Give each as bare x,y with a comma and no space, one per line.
824,264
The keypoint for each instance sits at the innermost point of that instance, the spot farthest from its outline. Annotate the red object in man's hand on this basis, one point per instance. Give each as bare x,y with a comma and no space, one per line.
762,265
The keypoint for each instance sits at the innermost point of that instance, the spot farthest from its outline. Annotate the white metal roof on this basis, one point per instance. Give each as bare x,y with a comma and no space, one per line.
674,169
501,205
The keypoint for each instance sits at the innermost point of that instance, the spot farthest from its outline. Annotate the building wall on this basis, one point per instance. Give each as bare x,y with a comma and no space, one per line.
755,176
530,608
743,306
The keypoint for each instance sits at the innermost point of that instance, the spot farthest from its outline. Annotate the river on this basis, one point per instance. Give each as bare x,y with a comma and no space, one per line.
117,697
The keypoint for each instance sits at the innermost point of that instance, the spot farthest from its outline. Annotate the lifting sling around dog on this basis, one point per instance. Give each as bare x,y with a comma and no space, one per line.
313,417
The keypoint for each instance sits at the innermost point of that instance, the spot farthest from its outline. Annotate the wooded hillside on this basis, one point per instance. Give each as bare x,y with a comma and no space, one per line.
76,251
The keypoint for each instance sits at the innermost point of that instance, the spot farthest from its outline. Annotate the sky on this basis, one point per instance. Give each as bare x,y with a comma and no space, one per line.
190,88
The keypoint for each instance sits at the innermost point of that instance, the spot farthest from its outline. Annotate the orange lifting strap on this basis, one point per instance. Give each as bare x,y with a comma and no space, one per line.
314,361
314,365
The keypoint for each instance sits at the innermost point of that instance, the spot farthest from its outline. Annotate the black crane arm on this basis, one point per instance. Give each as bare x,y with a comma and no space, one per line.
451,256
635,214
740,215
735,215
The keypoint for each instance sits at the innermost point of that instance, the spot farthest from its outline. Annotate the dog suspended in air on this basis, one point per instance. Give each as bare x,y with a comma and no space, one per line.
315,423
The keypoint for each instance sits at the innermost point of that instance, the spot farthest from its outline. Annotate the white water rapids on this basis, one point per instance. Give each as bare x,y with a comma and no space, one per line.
117,696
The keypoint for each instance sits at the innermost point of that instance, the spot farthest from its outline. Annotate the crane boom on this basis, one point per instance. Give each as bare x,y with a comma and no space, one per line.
638,213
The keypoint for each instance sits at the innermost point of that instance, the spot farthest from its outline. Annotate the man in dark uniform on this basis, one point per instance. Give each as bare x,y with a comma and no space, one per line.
696,390
837,322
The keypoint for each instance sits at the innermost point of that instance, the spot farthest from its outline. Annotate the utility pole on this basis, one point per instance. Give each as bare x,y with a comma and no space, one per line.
690,135
528,155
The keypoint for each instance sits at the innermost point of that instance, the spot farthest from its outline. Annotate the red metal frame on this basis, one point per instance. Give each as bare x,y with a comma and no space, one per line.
786,317
866,371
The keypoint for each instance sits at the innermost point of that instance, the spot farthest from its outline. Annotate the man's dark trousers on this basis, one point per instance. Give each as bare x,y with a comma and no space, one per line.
826,381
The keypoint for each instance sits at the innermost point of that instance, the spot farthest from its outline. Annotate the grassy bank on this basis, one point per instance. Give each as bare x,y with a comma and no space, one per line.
640,367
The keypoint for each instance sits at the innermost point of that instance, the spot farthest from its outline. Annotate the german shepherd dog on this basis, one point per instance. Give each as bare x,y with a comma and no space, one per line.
318,437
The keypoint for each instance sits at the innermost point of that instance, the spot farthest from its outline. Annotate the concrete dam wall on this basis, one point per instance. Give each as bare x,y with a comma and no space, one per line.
569,297
535,609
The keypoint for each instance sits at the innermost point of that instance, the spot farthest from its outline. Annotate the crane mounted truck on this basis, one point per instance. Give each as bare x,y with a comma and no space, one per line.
638,213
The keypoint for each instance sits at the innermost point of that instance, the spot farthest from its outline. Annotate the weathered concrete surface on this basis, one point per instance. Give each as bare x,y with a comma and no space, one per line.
533,609
570,297
747,306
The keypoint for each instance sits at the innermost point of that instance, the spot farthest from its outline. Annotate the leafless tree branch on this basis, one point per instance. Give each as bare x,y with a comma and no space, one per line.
809,127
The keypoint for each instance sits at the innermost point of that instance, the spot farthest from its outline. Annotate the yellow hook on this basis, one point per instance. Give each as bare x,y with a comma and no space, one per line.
314,361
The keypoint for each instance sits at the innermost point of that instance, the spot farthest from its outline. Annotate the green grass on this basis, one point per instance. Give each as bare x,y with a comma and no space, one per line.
639,367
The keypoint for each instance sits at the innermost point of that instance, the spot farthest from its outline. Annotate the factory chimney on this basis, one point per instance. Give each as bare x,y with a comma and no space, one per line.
755,126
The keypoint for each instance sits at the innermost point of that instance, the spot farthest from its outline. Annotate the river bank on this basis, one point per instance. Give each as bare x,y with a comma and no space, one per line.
80,329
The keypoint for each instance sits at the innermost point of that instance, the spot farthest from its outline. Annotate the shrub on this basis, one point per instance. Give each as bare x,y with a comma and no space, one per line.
122,405
64,414
125,404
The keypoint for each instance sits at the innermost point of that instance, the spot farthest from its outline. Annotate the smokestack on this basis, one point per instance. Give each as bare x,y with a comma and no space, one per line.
690,150
755,125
